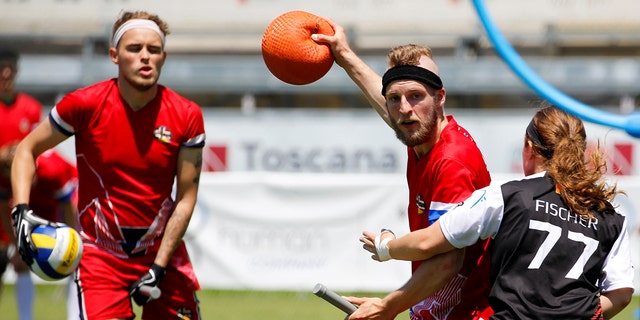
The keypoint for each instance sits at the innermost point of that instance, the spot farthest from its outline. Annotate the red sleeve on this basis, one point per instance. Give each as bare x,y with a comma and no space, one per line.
66,114
78,108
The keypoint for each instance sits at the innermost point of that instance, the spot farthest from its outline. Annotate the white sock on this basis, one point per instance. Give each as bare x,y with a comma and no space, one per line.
24,295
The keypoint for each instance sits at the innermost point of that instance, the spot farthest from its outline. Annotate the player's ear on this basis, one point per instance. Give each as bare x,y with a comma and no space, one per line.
113,54
164,58
442,96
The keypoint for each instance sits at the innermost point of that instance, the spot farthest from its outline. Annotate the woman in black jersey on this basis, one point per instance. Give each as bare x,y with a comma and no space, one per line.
559,250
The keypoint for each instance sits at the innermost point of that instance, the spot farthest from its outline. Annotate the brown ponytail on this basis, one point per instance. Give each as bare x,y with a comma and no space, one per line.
563,145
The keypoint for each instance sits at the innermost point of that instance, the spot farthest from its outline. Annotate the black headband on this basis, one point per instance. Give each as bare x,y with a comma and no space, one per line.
410,72
536,138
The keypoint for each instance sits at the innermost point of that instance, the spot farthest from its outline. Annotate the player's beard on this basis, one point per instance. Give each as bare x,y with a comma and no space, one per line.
422,134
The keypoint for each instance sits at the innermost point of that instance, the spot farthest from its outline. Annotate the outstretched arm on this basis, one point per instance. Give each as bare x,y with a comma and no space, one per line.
478,217
421,244
366,78
415,246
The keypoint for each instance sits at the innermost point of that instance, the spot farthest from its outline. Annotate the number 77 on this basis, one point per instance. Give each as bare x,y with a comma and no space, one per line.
555,232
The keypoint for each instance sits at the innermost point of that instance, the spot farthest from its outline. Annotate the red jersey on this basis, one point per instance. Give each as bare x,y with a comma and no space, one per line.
438,182
18,118
127,162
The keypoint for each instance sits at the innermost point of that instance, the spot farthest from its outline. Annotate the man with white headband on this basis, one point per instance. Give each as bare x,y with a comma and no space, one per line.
444,167
133,139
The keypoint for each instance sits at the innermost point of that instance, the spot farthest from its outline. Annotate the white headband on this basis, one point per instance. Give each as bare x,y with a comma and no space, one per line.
134,24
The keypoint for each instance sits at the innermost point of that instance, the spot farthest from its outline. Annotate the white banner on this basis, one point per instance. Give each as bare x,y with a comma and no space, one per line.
291,231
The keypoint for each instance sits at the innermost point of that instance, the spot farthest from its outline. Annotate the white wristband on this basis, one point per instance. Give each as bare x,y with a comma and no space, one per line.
382,250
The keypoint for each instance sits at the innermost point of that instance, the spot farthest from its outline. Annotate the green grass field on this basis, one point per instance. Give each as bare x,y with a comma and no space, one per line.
225,305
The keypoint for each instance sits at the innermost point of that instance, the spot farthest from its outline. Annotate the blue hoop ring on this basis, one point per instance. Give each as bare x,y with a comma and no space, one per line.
629,123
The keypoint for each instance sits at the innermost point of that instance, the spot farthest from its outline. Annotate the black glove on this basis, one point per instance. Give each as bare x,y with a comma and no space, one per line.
24,221
152,279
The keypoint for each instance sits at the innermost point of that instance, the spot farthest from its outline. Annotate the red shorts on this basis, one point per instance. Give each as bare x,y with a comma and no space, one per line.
104,280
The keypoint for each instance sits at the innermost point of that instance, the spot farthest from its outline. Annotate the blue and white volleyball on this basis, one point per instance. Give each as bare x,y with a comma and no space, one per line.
59,250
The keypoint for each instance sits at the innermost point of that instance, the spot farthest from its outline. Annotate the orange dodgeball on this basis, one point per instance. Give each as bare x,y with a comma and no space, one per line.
290,53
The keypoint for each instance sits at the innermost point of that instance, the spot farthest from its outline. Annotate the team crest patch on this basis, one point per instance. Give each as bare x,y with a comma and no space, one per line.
420,204
163,134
